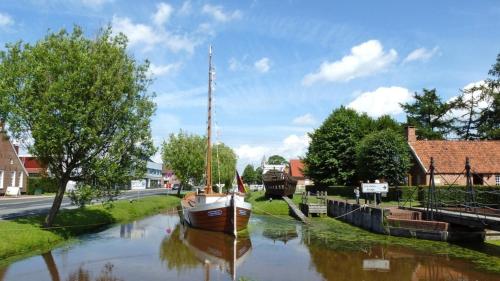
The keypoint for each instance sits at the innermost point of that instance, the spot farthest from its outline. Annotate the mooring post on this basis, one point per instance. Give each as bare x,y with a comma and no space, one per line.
470,196
431,194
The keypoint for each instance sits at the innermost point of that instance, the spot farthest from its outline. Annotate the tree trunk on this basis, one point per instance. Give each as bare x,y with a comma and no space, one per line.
179,190
49,220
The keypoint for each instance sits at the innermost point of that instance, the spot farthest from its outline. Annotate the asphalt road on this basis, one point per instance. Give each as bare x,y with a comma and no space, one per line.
27,206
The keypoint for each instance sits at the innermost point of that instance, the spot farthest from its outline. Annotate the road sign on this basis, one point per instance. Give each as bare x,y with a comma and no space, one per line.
138,184
375,187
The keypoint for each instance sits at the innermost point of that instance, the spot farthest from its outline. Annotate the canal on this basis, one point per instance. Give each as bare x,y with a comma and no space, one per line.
159,248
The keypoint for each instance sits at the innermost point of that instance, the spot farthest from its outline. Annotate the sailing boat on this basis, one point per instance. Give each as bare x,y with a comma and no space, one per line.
205,209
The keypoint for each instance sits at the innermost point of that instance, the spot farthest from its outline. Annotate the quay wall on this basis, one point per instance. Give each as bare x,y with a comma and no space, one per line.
382,221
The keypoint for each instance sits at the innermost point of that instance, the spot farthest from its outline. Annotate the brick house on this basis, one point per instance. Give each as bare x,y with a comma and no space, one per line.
12,171
296,171
449,160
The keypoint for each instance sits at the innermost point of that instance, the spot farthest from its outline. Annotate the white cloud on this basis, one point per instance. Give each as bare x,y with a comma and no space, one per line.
218,13
365,59
163,13
304,120
5,20
149,37
292,146
95,3
471,91
159,70
384,100
421,54
136,33
263,65
235,65
185,8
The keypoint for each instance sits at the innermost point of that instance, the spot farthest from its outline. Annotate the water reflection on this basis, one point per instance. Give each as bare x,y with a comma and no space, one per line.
132,231
384,263
188,248
278,250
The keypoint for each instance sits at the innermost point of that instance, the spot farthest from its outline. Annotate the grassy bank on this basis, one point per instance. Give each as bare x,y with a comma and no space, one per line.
262,205
25,236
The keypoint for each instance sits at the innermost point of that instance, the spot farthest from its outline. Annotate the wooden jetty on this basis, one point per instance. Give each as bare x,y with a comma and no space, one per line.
309,209
295,211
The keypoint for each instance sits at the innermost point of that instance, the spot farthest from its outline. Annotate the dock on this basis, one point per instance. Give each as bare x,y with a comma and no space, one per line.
295,210
318,208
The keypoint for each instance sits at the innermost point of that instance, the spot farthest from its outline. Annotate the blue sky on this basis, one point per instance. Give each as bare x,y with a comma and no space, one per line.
282,66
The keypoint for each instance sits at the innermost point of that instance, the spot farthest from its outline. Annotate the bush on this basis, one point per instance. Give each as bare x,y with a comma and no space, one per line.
44,184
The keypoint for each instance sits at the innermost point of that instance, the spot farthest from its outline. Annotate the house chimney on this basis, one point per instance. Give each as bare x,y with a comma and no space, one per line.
410,134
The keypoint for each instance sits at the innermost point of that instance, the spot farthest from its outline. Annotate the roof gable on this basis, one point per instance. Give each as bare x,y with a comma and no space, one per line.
449,156
296,168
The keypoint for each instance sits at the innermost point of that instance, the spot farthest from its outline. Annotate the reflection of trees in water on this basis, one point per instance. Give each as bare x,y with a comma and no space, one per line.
281,234
175,253
84,275
405,264
3,270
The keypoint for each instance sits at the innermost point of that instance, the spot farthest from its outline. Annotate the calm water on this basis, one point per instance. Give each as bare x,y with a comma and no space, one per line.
159,248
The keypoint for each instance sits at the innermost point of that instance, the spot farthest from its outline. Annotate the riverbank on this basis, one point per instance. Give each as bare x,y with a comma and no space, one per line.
25,236
339,235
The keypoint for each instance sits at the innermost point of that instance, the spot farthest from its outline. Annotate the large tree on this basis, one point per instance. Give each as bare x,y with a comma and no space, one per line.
82,103
429,114
185,154
470,106
223,165
331,156
489,127
249,176
277,160
383,155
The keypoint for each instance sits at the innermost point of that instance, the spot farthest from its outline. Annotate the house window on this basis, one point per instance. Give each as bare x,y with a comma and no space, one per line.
497,179
1,179
21,178
13,179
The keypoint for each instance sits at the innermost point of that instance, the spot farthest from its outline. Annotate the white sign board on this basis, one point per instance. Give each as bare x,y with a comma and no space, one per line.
138,184
13,191
376,264
375,187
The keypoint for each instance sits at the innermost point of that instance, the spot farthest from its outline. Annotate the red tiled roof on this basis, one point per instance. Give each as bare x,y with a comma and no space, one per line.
296,168
449,156
31,163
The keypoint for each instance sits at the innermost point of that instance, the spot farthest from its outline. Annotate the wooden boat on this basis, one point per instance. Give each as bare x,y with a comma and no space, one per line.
205,209
217,249
279,184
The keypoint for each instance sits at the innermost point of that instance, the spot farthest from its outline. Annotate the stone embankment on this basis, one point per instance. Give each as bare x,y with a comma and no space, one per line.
398,222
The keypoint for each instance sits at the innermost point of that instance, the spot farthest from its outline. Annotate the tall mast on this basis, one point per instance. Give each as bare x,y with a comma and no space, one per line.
208,168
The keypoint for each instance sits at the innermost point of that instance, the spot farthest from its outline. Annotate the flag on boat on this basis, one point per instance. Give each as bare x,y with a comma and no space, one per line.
241,186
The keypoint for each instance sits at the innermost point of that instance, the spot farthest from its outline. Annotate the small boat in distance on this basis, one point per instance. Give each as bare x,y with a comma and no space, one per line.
205,209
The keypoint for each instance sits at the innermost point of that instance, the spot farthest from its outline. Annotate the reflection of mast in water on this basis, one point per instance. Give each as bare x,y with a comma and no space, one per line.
217,249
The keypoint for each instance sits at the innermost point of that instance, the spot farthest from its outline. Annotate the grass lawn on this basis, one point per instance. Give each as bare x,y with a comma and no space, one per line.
25,236
262,206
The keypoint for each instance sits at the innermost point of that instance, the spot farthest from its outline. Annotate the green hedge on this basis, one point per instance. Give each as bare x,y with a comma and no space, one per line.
44,184
450,195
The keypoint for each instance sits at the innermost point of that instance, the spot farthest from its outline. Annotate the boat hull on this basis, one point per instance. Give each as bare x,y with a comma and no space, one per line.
279,184
218,216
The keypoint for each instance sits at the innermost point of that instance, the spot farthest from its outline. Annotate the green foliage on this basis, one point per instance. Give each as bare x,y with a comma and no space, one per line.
277,160
185,154
226,164
84,103
262,206
383,155
249,175
428,115
258,175
331,157
82,195
43,184
489,127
